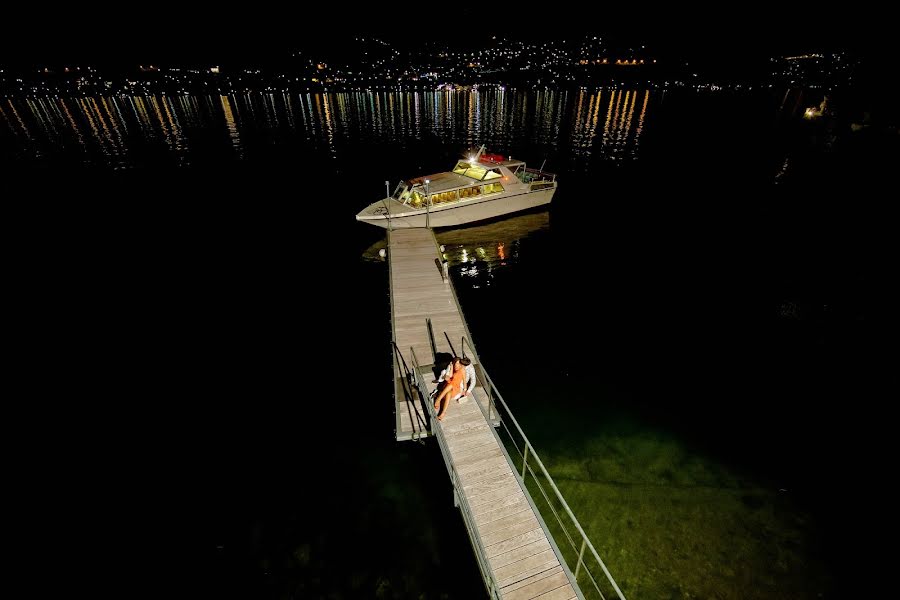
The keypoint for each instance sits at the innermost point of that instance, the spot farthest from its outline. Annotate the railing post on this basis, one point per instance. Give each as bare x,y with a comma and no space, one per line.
427,206
580,557
387,186
431,339
525,460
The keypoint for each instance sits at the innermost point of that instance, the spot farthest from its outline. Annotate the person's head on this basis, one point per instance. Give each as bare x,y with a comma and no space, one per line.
456,363
465,361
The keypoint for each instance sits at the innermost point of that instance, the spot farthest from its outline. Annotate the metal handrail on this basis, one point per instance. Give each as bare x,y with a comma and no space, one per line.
544,175
431,338
540,172
459,496
407,390
462,346
491,388
529,449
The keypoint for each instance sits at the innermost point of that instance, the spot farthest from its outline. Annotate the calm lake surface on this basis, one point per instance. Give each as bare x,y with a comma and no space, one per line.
689,335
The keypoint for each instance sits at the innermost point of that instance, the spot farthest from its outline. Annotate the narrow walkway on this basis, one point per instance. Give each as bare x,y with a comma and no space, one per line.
418,292
521,559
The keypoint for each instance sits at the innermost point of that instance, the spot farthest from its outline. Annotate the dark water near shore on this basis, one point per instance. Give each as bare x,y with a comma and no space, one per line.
691,335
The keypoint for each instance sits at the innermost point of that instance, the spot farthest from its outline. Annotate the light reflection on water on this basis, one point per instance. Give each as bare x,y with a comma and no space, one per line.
482,249
233,133
479,253
104,131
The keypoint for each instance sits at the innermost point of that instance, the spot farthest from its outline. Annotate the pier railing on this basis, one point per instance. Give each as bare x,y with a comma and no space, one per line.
582,559
536,178
459,498
406,382
528,175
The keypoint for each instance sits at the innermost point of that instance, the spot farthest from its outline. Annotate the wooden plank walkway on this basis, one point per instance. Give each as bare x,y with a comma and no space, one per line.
418,292
522,560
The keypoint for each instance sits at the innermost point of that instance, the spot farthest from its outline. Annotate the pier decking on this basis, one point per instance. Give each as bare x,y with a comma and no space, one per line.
517,558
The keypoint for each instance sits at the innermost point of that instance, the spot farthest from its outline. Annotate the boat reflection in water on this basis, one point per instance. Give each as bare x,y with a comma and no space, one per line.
479,252
480,249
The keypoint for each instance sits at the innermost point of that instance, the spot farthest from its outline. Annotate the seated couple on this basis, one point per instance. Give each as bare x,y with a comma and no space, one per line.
459,380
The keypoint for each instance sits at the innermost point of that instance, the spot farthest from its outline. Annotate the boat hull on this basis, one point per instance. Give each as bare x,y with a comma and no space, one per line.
464,212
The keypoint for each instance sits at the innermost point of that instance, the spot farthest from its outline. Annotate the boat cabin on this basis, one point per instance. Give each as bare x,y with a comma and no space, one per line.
467,181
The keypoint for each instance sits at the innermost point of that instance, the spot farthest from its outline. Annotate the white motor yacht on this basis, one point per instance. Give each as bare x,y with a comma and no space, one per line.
479,187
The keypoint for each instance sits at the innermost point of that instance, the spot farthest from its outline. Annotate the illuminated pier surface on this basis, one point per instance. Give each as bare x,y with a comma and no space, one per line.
419,292
517,557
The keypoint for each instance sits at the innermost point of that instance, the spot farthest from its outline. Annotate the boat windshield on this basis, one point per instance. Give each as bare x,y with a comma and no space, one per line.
475,171
414,197
398,193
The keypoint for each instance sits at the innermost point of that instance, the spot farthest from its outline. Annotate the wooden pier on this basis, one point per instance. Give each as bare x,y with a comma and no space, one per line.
517,557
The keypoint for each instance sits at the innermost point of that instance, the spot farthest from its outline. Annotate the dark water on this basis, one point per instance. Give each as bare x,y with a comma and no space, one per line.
691,335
